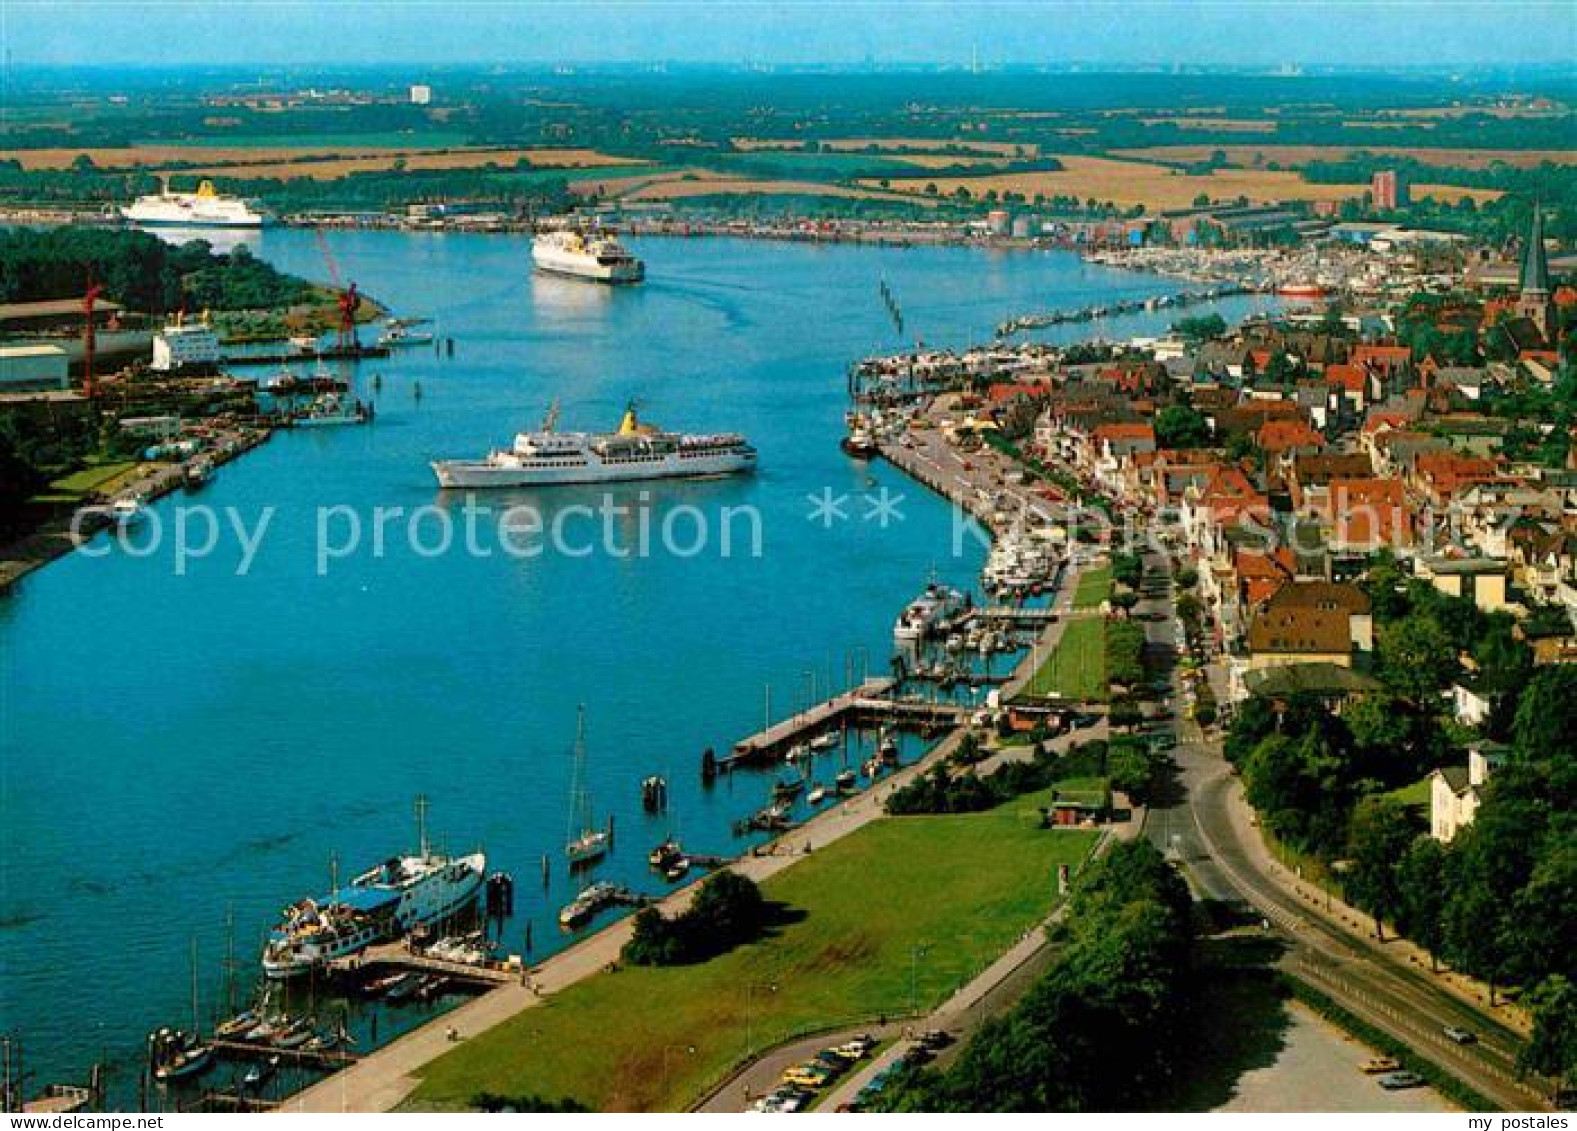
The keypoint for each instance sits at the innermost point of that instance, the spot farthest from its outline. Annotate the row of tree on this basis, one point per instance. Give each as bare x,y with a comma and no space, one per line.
1100,1031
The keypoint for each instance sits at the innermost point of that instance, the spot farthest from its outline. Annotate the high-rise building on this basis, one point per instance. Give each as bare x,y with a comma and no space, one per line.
1388,187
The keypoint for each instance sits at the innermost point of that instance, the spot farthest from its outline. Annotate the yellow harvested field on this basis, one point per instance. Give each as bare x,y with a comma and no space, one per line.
288,162
1155,187
945,160
921,144
677,186
1290,155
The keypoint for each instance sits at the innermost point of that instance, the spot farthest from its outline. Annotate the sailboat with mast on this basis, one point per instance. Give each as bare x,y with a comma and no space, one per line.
586,843
176,1054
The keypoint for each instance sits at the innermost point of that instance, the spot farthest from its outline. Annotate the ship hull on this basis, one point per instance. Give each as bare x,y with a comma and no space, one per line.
417,908
474,474
591,272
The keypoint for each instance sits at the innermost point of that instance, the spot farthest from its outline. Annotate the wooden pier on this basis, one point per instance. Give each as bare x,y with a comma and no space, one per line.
1016,614
395,956
328,353
869,702
257,1050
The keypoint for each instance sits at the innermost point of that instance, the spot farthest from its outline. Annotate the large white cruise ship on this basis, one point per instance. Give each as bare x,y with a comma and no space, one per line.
636,451
380,904
204,208
595,256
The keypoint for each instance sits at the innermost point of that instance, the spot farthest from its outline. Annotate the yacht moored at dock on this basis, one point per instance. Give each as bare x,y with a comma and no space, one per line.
386,901
636,451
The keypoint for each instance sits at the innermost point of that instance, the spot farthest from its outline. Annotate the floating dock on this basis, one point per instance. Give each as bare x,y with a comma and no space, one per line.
869,702
394,956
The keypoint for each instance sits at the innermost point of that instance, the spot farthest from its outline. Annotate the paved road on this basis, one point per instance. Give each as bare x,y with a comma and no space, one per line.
1209,830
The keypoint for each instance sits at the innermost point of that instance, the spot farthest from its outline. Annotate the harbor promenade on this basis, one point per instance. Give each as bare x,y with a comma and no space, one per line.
383,1079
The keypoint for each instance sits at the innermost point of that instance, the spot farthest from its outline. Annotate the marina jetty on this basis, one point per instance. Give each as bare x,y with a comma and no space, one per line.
872,702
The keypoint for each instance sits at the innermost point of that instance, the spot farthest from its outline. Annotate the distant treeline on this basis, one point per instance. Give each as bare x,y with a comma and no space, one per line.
139,271
1101,1031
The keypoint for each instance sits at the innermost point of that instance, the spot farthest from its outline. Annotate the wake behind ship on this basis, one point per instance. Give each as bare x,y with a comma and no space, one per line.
384,902
636,451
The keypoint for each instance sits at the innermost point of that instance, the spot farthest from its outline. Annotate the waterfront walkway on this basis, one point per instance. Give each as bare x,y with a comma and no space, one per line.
383,1079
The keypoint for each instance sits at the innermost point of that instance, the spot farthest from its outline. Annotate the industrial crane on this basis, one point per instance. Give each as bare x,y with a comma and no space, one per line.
89,338
348,300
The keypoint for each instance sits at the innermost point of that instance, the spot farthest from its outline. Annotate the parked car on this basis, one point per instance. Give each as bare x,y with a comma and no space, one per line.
1460,1035
935,1039
1396,1081
1379,1065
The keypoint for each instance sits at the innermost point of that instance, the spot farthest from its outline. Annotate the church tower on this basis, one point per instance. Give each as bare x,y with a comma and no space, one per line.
1533,284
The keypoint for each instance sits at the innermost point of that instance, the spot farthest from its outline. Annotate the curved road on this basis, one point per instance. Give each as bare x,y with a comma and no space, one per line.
1209,830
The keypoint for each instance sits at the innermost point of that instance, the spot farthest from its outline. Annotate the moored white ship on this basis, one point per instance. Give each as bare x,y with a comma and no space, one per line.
636,451
594,256
205,208
382,903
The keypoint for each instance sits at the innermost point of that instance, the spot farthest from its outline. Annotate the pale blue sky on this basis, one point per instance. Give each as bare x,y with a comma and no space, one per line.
845,32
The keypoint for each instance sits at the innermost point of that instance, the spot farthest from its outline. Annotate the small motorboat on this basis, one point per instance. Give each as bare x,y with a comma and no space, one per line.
786,788
322,1042
294,1035
431,986
845,781
817,795
266,1030
260,1073
824,741
237,1027
128,511
403,988
177,1055
663,856
677,870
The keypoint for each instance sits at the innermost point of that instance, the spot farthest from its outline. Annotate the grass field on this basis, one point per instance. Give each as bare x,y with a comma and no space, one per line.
1095,586
1155,187
94,477
964,888
1293,155
1076,668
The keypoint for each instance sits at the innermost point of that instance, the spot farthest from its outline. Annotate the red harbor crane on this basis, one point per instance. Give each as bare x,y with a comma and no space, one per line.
348,299
89,332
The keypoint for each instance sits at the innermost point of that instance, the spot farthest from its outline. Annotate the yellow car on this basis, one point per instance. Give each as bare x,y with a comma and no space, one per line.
808,1075
1379,1065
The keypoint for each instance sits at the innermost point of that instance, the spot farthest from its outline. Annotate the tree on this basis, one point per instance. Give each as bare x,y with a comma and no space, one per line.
1181,426
1381,832
1300,786
1423,880
1546,717
1417,658
1552,1048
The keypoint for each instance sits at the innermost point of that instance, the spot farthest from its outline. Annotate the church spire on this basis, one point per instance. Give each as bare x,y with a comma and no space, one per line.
1535,277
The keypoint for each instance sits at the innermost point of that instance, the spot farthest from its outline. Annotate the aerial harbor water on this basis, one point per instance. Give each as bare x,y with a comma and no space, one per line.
179,750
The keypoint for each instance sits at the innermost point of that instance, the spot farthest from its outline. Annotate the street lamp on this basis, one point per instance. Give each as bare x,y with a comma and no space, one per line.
916,952
750,989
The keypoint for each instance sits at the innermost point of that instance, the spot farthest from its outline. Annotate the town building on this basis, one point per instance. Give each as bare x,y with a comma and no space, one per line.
32,368
1455,792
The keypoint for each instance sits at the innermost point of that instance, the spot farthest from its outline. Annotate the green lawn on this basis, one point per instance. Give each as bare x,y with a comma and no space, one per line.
94,477
1076,668
1415,796
962,887
1095,586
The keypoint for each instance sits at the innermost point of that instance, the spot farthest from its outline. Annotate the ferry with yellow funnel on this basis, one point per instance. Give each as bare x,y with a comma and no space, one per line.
205,208
548,457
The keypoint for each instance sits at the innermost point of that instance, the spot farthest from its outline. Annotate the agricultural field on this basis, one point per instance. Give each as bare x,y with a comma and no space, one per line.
1289,156
939,145
702,182
651,1038
1157,187
321,163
